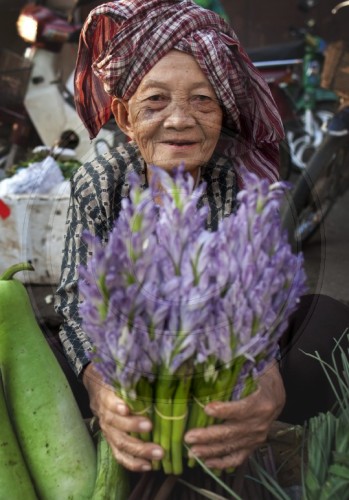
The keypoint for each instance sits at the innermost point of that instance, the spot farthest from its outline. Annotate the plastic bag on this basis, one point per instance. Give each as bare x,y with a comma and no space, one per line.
40,177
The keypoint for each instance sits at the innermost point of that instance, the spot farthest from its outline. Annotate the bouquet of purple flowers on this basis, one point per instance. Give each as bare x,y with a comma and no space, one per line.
180,316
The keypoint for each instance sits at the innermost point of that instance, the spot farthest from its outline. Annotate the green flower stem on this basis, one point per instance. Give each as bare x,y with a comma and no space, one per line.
135,407
140,404
250,386
179,415
143,404
165,389
201,391
206,393
220,390
156,438
227,379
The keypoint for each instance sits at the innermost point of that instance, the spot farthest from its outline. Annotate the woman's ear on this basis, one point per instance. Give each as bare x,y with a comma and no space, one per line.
121,115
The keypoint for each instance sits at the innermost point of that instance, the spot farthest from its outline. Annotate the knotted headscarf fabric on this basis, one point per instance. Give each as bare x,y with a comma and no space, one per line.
122,40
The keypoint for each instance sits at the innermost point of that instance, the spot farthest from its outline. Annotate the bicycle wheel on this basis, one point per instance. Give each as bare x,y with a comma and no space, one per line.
315,191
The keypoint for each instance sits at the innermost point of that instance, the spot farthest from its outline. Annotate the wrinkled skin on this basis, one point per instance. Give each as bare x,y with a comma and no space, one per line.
245,424
174,115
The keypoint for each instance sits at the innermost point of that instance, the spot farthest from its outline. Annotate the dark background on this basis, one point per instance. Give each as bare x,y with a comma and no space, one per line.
256,22
263,22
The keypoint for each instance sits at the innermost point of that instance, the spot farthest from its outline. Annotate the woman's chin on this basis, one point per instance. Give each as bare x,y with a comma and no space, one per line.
169,166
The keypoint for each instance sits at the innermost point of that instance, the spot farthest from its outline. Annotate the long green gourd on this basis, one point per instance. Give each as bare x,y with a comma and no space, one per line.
57,447
15,482
112,481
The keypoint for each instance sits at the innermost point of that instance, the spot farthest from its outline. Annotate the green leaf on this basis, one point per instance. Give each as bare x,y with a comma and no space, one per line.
270,483
341,458
339,470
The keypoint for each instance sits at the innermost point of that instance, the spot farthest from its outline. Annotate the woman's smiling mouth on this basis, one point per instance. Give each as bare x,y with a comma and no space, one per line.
179,144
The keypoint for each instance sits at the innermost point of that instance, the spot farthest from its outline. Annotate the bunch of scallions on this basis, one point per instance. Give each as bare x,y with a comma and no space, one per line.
180,316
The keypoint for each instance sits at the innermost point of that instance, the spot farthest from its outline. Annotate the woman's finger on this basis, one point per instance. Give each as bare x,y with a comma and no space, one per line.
228,461
125,424
220,449
228,432
130,462
265,403
133,451
128,423
231,410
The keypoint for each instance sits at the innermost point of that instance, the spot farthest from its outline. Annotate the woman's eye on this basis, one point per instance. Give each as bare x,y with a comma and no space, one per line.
202,98
156,102
156,98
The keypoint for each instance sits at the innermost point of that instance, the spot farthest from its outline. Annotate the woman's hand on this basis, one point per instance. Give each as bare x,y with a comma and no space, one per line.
116,423
246,424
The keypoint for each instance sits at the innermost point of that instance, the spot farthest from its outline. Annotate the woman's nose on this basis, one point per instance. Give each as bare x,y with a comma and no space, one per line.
179,116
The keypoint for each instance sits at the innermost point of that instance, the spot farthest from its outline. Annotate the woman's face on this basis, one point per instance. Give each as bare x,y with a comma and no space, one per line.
174,116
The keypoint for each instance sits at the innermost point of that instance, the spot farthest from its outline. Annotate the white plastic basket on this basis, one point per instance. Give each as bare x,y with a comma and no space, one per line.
35,231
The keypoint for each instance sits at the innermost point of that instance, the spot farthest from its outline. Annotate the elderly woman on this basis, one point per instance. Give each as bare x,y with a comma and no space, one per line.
182,89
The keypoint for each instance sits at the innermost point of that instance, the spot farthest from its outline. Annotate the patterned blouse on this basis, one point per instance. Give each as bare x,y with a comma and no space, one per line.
96,193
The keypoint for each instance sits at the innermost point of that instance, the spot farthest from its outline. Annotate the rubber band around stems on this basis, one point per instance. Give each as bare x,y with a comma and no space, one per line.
166,417
180,417
141,412
198,402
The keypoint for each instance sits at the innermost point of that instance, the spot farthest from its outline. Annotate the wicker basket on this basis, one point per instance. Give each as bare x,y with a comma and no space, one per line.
335,74
14,77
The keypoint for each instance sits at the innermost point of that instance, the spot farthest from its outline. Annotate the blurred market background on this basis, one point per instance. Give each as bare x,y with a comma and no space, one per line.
257,24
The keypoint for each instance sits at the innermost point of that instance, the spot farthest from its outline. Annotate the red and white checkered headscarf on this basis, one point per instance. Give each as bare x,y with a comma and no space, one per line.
122,40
